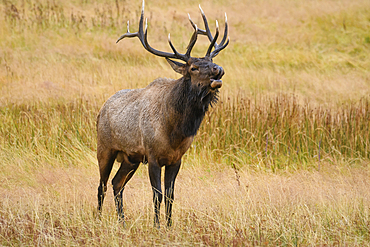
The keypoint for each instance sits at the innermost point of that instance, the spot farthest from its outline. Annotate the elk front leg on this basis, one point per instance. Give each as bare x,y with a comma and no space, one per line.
155,180
169,185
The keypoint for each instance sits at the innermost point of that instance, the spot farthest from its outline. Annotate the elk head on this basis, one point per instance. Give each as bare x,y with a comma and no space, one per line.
204,75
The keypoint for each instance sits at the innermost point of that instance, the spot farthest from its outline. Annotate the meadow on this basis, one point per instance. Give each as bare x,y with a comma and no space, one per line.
283,159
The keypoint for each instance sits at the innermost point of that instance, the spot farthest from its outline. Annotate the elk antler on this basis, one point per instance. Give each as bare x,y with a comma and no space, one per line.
144,40
207,32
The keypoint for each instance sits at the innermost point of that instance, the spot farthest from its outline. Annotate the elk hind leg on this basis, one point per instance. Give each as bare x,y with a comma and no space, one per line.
123,175
106,160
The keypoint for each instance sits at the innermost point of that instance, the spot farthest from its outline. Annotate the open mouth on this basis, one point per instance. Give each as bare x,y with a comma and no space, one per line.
216,84
216,81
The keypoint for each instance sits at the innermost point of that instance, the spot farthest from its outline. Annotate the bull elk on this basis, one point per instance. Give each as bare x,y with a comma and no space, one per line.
157,124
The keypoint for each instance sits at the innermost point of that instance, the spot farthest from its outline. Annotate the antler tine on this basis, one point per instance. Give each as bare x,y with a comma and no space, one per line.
191,22
128,34
192,41
213,43
140,33
171,45
222,45
207,32
200,31
225,32
143,37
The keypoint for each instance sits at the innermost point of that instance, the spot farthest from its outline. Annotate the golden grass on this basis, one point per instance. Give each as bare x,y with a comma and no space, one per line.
296,88
307,48
211,208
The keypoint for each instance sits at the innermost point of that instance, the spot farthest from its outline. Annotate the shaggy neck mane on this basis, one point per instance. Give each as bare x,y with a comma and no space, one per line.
190,106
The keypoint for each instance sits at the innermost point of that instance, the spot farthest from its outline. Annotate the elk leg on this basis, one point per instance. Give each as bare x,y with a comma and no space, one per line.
155,180
106,159
169,185
123,175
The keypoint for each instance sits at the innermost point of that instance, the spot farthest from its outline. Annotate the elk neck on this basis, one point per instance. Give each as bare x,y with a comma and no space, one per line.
189,107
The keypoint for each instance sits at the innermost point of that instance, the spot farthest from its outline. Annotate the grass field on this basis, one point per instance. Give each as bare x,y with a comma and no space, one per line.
282,159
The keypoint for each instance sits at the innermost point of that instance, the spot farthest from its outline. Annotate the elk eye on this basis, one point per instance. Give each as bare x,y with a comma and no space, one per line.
194,69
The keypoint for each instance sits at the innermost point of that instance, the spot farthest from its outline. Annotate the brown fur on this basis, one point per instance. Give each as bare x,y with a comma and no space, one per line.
147,121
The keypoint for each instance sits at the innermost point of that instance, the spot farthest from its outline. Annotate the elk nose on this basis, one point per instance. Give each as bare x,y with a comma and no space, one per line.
215,69
217,72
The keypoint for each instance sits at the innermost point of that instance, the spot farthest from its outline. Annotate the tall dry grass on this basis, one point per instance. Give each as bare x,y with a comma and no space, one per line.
211,208
317,50
282,159
264,132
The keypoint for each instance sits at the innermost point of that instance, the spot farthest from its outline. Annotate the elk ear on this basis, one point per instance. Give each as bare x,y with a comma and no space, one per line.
176,66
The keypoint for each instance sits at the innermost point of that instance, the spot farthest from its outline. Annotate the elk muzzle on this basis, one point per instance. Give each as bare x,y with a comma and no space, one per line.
218,72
